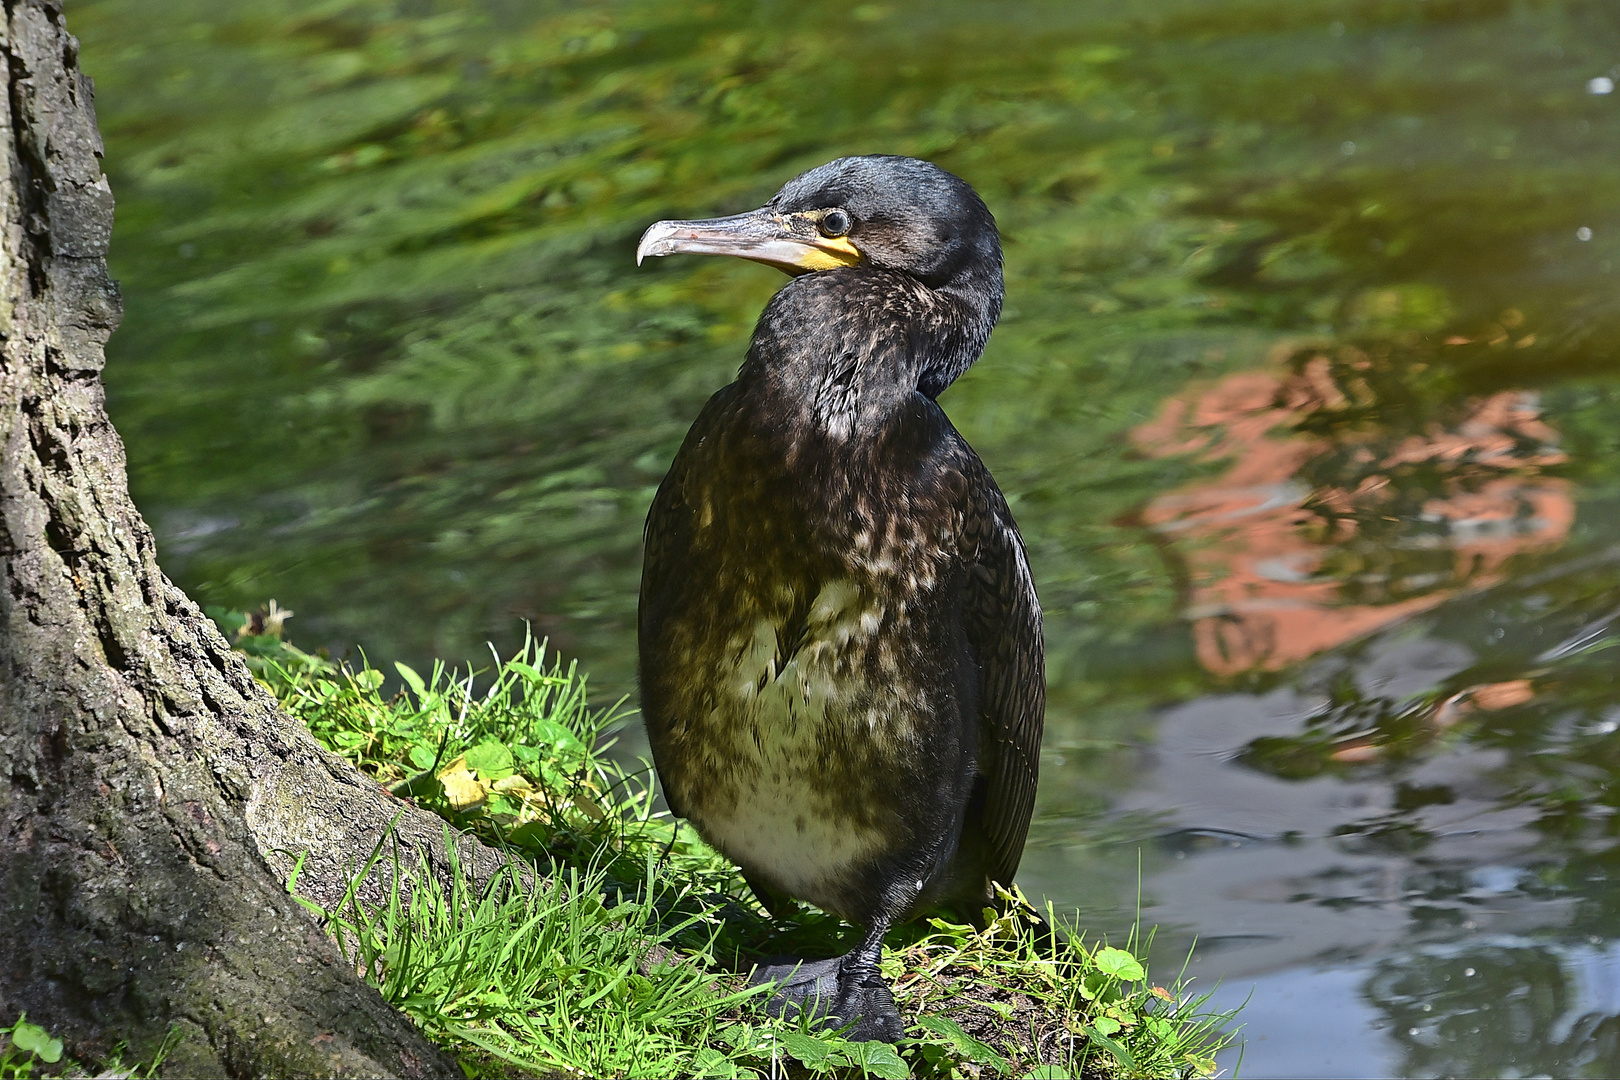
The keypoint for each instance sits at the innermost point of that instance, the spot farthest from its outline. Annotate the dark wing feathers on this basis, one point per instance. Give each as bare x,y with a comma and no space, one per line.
666,549
666,539
663,541
1003,623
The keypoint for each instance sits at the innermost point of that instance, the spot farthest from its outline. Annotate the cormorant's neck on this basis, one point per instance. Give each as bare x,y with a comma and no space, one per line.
976,293
840,350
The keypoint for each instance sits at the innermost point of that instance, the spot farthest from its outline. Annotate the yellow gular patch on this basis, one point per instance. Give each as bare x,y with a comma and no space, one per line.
830,254
806,256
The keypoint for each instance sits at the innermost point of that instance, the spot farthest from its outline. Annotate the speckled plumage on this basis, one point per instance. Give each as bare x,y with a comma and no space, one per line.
841,665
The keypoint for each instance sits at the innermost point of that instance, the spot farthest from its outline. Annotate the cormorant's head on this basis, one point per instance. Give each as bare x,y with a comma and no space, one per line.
897,215
891,213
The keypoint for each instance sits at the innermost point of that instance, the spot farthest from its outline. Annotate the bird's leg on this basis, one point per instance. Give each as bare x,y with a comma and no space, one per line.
845,990
864,998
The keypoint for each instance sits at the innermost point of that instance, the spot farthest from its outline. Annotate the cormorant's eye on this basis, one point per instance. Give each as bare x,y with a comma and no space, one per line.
834,223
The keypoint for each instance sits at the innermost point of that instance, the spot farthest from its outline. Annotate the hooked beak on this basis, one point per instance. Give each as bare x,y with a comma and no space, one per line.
789,242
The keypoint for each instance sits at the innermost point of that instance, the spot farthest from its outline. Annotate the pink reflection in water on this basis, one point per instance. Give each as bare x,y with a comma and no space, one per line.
1259,541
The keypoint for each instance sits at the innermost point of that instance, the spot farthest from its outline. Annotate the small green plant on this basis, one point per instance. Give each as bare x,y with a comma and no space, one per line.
26,1045
616,943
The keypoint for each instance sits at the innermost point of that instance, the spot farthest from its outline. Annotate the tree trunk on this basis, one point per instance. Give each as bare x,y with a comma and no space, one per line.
154,798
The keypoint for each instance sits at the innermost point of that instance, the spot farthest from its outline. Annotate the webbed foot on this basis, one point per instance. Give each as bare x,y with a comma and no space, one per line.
801,985
838,992
865,999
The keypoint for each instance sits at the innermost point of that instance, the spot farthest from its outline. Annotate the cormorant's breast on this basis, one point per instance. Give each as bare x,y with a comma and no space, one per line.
802,652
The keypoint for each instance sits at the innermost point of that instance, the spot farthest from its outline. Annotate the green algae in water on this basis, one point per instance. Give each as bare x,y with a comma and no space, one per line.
385,341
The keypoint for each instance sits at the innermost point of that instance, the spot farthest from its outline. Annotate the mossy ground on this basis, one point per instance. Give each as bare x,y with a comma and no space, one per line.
624,956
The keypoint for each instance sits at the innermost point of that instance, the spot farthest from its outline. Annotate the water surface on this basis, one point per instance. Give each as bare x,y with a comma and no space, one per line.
1304,396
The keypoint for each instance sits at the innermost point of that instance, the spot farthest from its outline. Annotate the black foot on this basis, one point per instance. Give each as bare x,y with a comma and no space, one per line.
801,985
835,993
863,997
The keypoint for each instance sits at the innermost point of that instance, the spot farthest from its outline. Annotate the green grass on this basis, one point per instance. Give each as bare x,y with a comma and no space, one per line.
621,956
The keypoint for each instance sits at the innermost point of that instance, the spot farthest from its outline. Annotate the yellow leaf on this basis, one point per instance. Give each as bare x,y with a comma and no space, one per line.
461,787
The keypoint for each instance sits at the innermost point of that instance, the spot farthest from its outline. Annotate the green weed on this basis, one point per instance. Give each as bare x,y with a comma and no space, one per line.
26,1047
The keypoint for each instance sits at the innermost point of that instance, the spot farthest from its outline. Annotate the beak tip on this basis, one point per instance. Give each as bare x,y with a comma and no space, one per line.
653,241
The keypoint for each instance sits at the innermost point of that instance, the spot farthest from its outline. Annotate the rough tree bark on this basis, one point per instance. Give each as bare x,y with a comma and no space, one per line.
153,797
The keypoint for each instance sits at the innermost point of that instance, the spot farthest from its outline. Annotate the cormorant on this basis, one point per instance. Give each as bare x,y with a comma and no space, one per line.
840,645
